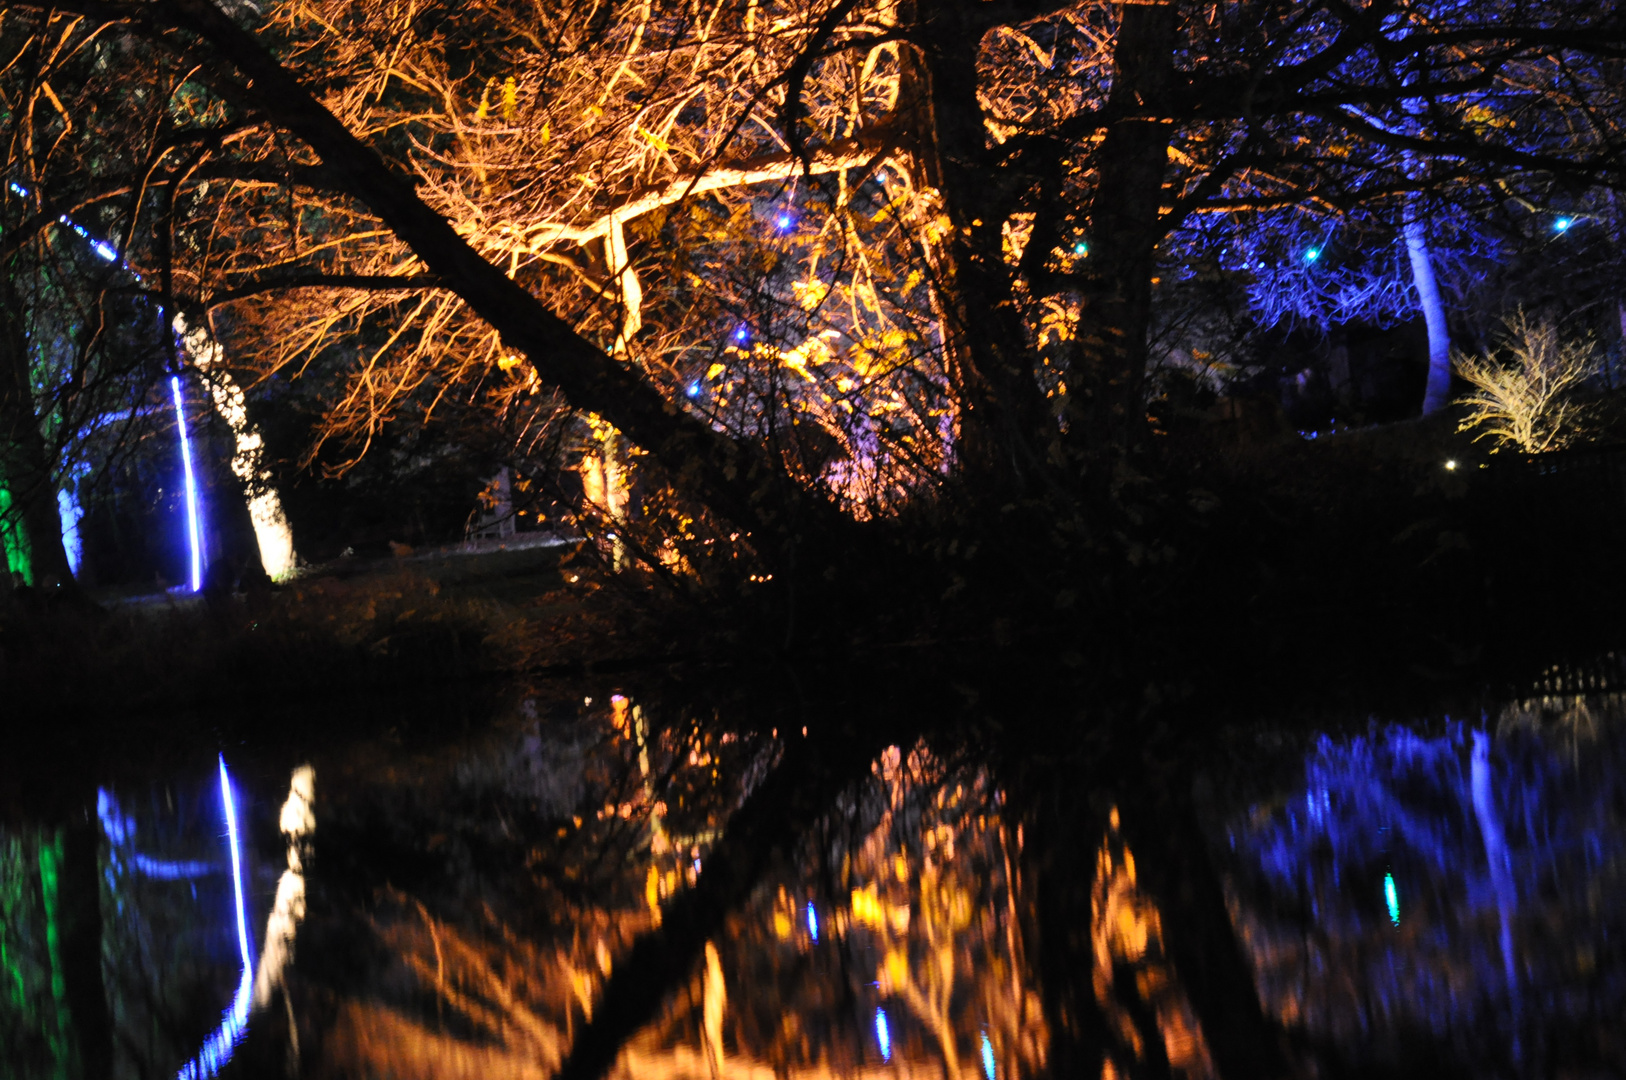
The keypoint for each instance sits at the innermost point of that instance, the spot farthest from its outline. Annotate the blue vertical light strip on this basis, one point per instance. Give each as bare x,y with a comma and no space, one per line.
987,1057
194,535
236,859
1391,897
883,1035
812,921
218,1048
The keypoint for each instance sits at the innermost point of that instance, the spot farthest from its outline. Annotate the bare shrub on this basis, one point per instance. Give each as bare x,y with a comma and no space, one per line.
1523,394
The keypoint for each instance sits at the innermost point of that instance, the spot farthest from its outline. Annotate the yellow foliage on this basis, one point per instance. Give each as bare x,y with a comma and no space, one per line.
652,891
655,140
867,909
510,98
809,295
895,972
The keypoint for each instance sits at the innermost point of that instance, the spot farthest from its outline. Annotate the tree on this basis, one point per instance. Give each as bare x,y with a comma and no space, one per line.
1524,398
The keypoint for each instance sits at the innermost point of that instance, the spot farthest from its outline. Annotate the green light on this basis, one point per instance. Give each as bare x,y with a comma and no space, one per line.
50,878
14,539
1391,896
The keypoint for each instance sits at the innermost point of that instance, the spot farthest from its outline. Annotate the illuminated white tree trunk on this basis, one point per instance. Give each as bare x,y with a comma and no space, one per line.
271,530
1500,862
1438,393
714,1004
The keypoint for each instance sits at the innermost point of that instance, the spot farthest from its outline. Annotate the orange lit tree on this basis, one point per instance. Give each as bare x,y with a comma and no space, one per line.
814,260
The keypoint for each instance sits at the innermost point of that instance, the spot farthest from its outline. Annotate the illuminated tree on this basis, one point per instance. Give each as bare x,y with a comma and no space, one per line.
81,347
1524,398
813,262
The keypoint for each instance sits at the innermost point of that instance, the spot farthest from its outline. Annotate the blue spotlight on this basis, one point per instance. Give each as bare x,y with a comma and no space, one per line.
786,222
694,388
1563,224
812,922
1391,898
987,1057
1312,255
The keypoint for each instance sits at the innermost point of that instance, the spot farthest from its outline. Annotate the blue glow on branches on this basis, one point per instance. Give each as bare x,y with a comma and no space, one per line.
168,870
104,249
883,1035
694,388
812,922
194,535
786,223
1081,248
218,1048
1391,897
1312,255
18,189
1563,224
987,1057
742,333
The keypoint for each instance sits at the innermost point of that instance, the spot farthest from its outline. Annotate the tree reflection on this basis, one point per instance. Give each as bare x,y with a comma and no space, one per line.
710,904
900,899
1448,896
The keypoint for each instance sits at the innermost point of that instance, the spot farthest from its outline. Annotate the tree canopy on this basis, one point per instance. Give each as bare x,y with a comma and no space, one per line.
822,264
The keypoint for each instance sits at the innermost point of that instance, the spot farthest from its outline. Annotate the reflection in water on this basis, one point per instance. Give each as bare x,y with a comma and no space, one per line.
1459,896
889,946
1417,903
1133,974
218,1048
298,823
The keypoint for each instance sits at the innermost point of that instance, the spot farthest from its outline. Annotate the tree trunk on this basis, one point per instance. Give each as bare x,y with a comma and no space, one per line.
1438,394
733,478
1005,427
1160,822
1104,400
25,466
81,922
272,534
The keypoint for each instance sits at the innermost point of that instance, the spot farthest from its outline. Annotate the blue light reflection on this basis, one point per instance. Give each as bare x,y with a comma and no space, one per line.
218,1048
883,1035
812,922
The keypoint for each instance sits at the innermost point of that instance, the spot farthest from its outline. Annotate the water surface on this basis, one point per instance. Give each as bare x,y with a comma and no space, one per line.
1441,897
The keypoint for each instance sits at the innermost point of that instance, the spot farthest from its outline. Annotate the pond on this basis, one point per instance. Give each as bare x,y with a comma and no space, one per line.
586,876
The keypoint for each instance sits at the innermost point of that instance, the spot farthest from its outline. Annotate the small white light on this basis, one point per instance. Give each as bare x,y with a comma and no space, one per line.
1452,464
